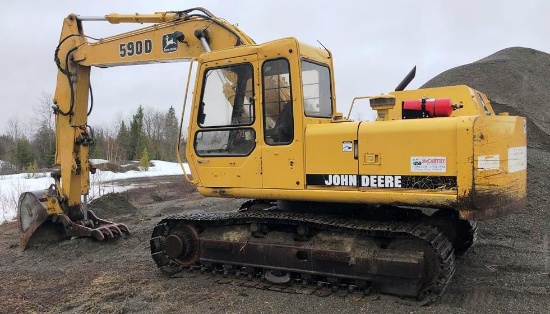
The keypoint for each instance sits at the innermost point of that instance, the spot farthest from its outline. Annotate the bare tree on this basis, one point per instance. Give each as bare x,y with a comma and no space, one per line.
113,148
15,128
43,113
43,142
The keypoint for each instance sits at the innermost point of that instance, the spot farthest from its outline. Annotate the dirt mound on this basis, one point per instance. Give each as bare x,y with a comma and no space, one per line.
107,166
516,80
113,204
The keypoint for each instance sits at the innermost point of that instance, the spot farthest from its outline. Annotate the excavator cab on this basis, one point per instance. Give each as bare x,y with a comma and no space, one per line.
252,104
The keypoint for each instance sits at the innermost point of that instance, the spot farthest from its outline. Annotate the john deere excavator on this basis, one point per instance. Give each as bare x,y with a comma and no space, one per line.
333,203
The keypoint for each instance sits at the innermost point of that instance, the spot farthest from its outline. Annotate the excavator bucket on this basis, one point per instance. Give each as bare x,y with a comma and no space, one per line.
33,214
41,222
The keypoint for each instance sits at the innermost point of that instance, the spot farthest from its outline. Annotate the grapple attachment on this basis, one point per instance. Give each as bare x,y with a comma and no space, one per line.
41,219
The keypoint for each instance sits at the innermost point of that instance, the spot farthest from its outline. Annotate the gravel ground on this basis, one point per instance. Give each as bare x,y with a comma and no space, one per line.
507,270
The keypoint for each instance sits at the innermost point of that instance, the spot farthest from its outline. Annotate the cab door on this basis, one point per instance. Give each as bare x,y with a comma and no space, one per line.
282,150
224,123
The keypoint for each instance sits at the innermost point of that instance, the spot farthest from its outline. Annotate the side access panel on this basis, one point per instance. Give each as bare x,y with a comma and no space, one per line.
330,156
415,158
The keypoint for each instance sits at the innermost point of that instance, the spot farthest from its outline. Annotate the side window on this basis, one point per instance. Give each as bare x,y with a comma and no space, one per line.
316,88
227,142
277,102
227,97
226,112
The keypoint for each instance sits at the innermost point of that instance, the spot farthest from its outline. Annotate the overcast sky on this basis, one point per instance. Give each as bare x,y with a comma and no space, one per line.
374,44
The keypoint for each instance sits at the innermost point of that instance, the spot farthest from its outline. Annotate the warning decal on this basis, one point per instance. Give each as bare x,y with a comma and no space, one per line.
488,162
517,158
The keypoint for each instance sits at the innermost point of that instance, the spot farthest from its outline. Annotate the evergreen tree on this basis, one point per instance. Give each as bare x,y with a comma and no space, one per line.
170,132
123,140
23,153
144,159
136,138
143,143
7,146
97,150
43,145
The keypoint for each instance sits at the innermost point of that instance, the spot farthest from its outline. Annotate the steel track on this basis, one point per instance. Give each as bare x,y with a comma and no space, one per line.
438,243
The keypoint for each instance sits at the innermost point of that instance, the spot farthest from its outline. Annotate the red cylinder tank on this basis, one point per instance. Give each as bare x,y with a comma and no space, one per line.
435,107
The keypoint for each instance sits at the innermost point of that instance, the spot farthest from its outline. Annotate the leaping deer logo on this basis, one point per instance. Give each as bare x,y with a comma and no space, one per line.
169,43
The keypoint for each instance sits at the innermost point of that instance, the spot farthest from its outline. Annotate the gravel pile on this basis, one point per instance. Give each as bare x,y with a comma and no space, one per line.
516,80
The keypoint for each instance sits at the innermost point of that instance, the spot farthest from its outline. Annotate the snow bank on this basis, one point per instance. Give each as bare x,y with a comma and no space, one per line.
11,186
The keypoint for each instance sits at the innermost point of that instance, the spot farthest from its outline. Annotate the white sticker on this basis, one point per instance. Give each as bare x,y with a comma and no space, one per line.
429,164
488,162
347,146
517,158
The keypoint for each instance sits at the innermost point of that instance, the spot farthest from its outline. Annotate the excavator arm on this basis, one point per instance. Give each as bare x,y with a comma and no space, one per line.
173,36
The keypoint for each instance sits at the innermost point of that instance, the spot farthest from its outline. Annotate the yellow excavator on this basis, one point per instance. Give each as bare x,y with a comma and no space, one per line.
337,204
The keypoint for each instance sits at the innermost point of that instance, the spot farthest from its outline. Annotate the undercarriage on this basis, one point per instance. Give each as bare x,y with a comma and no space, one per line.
408,256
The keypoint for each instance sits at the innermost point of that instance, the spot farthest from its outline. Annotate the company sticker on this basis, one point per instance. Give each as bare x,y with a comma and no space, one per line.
488,162
517,158
429,164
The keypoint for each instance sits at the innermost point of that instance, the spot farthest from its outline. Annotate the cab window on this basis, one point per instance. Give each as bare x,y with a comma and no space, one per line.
227,97
226,112
316,89
277,102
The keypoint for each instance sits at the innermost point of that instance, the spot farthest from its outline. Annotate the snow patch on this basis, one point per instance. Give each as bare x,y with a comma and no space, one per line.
11,186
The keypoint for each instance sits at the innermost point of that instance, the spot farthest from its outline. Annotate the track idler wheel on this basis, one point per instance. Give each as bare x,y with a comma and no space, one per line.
182,244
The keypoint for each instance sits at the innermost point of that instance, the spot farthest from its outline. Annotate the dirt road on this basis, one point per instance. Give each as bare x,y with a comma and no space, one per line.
506,271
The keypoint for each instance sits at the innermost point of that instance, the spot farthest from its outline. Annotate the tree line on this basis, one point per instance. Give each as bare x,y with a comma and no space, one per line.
149,134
